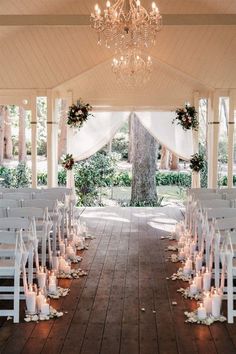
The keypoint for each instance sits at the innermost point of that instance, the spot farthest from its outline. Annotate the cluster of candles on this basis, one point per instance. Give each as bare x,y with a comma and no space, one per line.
211,305
201,283
36,301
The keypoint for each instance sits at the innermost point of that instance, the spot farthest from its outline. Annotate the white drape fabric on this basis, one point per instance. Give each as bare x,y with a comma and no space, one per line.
95,133
172,136
101,128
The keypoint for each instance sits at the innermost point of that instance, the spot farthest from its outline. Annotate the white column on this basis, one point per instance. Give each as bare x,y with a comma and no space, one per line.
34,141
196,175
52,140
213,139
69,148
231,138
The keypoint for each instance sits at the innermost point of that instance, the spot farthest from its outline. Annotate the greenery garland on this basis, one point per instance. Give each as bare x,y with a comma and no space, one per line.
78,114
187,117
197,162
68,162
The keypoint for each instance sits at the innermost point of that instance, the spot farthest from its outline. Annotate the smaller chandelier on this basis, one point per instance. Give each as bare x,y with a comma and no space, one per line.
132,68
126,24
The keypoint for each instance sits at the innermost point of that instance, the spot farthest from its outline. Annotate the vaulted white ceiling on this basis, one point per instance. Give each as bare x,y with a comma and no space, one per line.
186,57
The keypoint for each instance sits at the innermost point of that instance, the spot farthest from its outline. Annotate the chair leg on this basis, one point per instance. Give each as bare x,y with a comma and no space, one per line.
16,296
230,298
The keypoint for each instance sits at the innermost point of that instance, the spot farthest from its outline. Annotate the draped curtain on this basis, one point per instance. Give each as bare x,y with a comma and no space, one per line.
101,128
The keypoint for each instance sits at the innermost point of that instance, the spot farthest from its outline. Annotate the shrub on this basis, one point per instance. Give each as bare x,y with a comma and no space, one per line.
122,179
120,144
22,175
173,178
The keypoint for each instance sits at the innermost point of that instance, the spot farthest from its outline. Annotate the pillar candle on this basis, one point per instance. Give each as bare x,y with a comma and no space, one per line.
52,285
62,249
207,280
41,277
207,301
198,263
55,263
198,281
193,288
181,254
201,312
216,304
30,298
45,308
39,301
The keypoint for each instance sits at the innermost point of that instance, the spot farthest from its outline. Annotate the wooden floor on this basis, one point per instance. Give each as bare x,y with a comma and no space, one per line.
127,272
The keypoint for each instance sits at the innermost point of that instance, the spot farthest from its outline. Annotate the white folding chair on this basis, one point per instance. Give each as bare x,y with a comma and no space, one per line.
11,258
42,227
220,213
17,196
9,203
29,237
218,203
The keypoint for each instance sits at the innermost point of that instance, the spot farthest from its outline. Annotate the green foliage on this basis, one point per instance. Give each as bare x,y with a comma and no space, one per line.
92,174
15,177
22,175
42,179
122,179
197,162
148,203
120,144
173,178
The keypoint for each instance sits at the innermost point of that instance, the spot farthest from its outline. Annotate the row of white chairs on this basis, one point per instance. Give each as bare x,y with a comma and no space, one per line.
216,225
23,223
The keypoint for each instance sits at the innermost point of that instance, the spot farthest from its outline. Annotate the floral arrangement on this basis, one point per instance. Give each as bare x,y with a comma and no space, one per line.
68,162
78,114
197,162
187,117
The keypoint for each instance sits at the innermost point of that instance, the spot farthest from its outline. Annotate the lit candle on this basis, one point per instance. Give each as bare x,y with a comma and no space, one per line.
52,285
207,301
62,264
30,298
67,268
198,281
193,288
207,280
70,251
55,263
45,308
201,312
216,304
40,298
41,277
198,263
62,248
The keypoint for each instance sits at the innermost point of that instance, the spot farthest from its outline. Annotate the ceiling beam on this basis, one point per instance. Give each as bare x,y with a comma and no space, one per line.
84,20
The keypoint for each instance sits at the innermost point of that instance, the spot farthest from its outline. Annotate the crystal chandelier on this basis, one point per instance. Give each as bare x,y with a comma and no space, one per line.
129,28
132,68
126,24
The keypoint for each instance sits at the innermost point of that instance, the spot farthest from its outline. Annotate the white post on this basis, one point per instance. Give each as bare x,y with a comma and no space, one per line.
231,139
52,140
34,141
69,177
213,139
196,175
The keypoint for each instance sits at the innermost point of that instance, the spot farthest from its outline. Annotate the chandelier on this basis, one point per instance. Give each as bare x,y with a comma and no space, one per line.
126,24
132,68
128,28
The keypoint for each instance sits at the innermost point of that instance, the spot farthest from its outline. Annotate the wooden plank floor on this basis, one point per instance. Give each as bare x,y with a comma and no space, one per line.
127,272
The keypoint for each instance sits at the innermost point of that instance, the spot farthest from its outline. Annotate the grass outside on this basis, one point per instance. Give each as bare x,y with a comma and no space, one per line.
119,195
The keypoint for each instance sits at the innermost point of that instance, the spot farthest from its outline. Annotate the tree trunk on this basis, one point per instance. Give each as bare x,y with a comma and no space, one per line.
164,164
62,130
144,149
2,116
8,136
130,138
22,142
174,162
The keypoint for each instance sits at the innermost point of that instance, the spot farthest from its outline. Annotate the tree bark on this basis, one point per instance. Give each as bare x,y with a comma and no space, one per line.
8,136
174,162
62,130
144,149
164,164
21,142
2,126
